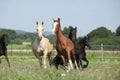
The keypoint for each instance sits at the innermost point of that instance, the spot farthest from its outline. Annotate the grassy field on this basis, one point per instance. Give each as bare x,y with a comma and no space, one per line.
27,68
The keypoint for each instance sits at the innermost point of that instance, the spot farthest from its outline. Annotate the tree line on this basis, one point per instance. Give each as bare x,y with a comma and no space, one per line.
97,36
18,37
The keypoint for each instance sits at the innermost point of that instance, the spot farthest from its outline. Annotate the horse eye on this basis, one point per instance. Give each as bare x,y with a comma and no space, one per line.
37,30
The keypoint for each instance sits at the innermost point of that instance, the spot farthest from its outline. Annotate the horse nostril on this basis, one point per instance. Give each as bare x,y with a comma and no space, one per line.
39,38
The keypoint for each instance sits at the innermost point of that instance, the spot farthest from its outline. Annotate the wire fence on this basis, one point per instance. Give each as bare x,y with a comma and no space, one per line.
99,51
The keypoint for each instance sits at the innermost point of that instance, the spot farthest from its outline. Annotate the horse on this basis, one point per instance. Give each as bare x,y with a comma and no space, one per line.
42,46
80,47
84,42
3,47
64,46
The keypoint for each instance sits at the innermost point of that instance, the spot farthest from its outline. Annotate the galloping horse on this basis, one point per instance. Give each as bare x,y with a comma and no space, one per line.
42,46
84,42
80,47
3,47
64,46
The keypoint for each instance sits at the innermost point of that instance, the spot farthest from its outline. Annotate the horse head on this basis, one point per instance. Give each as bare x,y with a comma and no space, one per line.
4,40
56,25
72,34
87,42
39,28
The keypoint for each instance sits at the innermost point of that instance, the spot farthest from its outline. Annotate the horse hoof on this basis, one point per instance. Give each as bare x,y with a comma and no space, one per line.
69,69
84,66
63,74
45,67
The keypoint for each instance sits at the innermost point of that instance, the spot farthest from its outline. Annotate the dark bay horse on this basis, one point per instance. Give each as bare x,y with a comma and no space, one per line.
64,46
3,47
80,47
82,43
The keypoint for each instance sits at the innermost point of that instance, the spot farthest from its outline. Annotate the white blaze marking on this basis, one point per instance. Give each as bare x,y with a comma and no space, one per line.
54,27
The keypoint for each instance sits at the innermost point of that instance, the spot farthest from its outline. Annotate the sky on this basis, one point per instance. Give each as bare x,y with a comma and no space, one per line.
87,15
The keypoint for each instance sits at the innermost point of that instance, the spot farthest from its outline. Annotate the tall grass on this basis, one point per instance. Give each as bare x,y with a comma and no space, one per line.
27,68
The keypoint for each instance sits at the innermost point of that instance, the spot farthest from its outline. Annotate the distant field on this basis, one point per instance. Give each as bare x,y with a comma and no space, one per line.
24,67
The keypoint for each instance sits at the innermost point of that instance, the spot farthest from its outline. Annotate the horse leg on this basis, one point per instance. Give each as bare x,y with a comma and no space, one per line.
77,59
0,60
40,60
44,56
6,57
50,58
74,59
81,64
87,62
69,59
64,61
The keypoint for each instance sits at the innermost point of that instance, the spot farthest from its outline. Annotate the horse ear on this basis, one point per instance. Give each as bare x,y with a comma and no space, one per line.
76,28
36,22
42,23
70,27
58,19
53,19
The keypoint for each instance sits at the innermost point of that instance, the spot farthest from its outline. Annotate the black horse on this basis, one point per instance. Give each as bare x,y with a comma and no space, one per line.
79,49
3,47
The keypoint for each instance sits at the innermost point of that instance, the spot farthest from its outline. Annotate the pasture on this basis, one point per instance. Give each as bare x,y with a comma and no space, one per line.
24,66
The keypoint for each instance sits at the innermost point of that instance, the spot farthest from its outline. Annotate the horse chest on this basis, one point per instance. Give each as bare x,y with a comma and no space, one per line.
2,51
60,47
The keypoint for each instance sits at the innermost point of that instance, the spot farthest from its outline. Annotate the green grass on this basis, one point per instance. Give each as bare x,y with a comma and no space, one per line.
27,68
20,47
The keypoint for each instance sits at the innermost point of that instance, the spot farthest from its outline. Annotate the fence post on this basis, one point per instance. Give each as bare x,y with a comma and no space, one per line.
11,48
102,51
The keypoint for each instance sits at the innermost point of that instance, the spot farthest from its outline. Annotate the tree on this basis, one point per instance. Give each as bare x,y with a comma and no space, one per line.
100,32
66,31
11,33
118,31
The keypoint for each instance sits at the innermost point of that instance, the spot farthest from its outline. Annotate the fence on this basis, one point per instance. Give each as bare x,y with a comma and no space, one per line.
101,51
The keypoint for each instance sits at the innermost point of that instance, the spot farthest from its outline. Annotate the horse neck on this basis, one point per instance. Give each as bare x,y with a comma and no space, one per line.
82,44
70,37
1,41
59,33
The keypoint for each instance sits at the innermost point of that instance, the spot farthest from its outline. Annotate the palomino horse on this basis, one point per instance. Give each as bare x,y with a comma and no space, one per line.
64,46
42,46
3,47
80,47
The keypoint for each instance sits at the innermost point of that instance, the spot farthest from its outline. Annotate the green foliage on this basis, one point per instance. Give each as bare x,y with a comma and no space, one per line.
18,37
17,41
27,68
97,36
52,39
104,36
118,31
11,33
66,31
27,36
100,32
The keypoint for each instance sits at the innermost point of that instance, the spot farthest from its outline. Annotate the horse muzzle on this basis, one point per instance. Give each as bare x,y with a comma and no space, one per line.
39,38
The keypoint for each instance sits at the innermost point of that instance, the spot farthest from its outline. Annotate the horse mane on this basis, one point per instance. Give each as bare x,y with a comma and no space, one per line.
2,43
72,35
